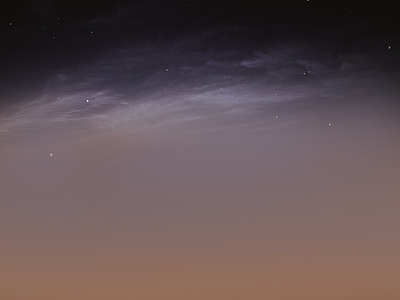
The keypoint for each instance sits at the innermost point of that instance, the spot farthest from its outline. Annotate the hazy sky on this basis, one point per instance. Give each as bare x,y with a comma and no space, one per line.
199,150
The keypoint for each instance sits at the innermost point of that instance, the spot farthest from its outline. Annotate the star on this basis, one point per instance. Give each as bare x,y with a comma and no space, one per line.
87,100
51,154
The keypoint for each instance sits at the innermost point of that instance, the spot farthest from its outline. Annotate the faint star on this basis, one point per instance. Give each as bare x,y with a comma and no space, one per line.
51,154
389,47
330,124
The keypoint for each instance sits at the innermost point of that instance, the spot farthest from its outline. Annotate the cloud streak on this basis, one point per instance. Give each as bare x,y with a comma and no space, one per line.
163,83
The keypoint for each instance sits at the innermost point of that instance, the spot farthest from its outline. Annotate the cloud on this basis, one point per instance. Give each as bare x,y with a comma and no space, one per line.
161,83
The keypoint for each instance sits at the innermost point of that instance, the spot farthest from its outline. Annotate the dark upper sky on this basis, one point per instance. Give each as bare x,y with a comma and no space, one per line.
41,37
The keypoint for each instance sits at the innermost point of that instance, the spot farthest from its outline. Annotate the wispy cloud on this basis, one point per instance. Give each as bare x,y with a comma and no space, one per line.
157,84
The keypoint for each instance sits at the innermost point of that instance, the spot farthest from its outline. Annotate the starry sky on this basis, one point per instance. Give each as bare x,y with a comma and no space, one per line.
174,150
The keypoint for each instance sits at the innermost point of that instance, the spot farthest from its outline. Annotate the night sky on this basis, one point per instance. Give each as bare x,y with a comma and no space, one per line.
179,150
